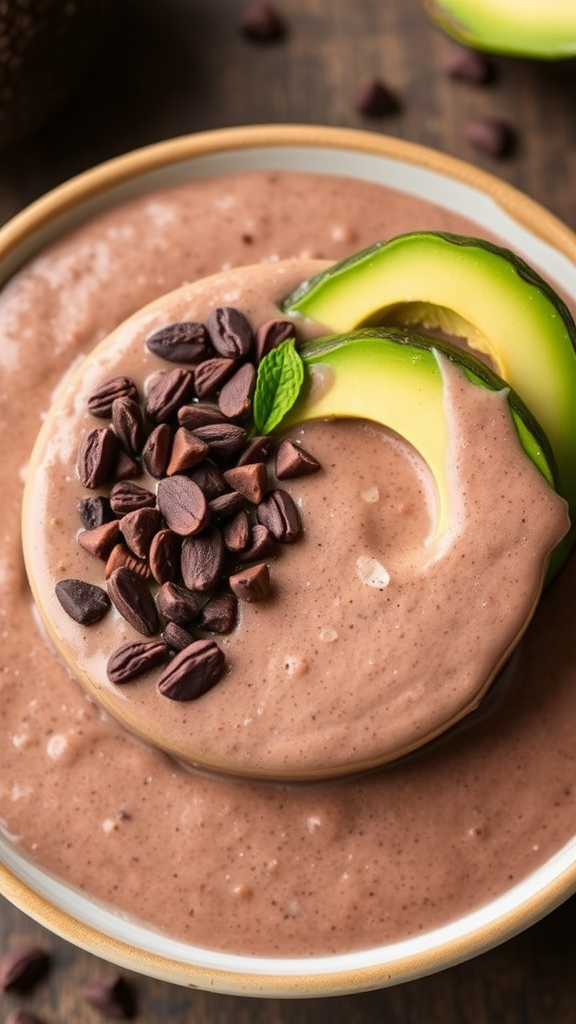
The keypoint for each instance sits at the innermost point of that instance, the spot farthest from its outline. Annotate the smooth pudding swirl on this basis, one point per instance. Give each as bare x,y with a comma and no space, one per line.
335,654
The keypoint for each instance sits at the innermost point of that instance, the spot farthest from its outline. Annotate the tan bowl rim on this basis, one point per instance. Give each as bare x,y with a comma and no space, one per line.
21,229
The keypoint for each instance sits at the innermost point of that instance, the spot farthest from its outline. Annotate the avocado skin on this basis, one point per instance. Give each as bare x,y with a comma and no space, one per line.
545,30
526,328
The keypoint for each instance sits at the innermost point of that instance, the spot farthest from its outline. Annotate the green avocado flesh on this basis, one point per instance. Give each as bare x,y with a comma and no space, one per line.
393,377
540,28
474,290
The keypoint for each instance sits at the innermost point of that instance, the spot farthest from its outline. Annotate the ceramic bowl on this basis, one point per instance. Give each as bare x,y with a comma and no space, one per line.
493,206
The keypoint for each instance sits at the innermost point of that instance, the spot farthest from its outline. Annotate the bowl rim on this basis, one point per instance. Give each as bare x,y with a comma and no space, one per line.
21,237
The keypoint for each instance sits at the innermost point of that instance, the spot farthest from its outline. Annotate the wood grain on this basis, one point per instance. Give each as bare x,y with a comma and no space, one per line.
175,66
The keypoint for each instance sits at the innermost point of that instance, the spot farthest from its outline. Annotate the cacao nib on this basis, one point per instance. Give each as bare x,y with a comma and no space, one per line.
219,614
128,423
127,496
101,540
86,603
185,342
182,504
22,966
223,439
251,480
94,511
177,604
101,400
200,414
164,556
230,332
139,527
193,671
131,596
202,560
176,637
156,451
96,457
235,399
280,514
121,556
134,659
168,392
211,374
272,334
111,995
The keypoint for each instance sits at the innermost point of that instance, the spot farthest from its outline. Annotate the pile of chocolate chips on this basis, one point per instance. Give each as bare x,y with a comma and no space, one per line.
179,557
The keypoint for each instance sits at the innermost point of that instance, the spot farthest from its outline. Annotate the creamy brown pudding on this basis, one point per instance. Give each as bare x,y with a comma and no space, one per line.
377,633
290,869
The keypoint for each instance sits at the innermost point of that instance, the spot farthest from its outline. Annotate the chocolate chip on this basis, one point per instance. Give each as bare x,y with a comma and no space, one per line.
182,504
235,399
94,511
261,23
131,596
202,560
164,556
193,671
185,342
101,400
490,135
134,659
210,375
177,604
292,461
251,584
230,332
280,514
84,602
127,496
128,423
187,451
251,480
219,614
138,529
258,449
168,392
22,966
100,541
156,451
96,457
112,995
271,334
375,99
470,66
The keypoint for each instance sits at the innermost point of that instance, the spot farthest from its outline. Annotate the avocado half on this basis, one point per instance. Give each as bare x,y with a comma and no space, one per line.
541,28
394,378
474,290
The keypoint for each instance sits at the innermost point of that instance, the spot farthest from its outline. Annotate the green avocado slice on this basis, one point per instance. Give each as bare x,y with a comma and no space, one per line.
394,378
475,290
542,28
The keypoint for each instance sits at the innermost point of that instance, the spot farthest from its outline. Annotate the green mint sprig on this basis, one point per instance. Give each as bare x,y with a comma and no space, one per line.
278,383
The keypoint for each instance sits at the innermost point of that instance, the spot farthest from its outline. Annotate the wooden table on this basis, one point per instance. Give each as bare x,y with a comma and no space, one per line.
174,66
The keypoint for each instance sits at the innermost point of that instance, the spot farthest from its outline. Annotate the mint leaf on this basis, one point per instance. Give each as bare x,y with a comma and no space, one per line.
280,377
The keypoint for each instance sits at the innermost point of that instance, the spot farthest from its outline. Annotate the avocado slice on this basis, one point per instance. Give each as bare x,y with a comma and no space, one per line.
394,378
542,28
475,290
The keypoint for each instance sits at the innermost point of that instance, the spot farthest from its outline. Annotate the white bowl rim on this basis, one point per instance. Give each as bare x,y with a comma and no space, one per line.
552,245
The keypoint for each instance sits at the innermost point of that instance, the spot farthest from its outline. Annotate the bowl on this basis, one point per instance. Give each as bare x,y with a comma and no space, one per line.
490,206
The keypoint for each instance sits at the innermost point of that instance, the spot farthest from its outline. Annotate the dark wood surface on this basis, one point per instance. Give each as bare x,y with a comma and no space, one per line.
169,67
